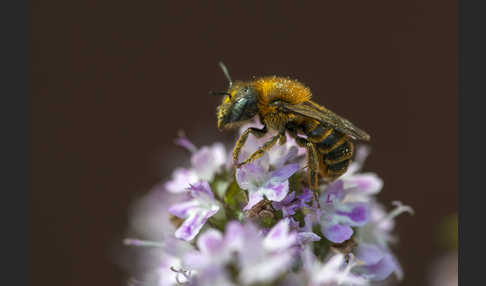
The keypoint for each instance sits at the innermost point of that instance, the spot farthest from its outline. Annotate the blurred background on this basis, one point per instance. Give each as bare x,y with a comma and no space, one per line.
112,82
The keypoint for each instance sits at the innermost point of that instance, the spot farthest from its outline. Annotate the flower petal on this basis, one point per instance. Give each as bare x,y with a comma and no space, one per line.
181,180
369,254
284,173
290,210
202,163
327,272
210,242
307,236
201,190
305,197
287,205
279,238
337,233
268,269
275,192
334,192
195,260
165,275
309,220
253,199
186,143
207,161
219,154
368,183
182,210
193,224
250,176
234,236
355,214
281,154
288,199
381,270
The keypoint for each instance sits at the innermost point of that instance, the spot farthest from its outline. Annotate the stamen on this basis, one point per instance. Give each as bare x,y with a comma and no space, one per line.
137,242
399,209
185,273
134,282
350,264
352,261
185,143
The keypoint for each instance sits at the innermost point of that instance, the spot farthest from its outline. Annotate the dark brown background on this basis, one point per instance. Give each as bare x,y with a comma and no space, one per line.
113,81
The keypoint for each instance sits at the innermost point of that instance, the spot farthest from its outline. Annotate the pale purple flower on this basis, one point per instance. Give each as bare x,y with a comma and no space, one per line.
280,237
243,253
149,216
206,162
166,274
181,180
164,257
184,142
215,250
195,211
263,260
209,160
378,262
337,215
211,277
379,228
304,234
290,204
360,186
259,182
278,155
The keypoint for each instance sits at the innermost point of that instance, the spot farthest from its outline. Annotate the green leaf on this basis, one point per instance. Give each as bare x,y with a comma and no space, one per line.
295,183
235,199
220,184
321,247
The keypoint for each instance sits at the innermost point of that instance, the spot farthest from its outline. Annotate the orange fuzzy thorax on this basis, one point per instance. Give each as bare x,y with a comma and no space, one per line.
279,88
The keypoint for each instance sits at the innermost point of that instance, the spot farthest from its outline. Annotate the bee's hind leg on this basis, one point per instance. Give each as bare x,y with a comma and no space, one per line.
312,161
259,133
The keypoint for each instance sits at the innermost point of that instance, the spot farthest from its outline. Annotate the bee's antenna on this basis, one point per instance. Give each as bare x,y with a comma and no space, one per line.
226,73
219,93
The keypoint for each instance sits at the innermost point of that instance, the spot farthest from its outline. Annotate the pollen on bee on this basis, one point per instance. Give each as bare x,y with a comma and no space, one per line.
281,88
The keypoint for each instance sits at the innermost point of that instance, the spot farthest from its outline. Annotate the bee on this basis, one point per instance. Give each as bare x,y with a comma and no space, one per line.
285,105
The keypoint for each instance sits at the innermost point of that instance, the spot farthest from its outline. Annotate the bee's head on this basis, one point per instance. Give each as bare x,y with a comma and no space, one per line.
239,106
239,103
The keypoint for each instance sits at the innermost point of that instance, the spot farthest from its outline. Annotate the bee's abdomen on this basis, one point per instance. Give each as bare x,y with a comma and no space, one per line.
335,148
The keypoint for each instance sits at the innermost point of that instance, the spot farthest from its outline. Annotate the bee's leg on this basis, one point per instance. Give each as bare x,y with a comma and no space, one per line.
312,161
282,140
259,133
264,148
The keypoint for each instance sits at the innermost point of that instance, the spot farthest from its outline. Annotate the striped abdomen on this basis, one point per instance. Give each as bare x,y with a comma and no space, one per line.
335,150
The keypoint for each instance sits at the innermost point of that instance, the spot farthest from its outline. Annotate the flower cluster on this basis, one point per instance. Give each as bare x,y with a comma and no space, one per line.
261,224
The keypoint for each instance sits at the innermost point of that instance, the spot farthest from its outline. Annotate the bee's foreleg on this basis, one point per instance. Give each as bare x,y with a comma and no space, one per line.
259,133
264,148
312,161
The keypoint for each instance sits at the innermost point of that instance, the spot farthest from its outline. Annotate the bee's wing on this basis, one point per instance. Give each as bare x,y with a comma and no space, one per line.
325,116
